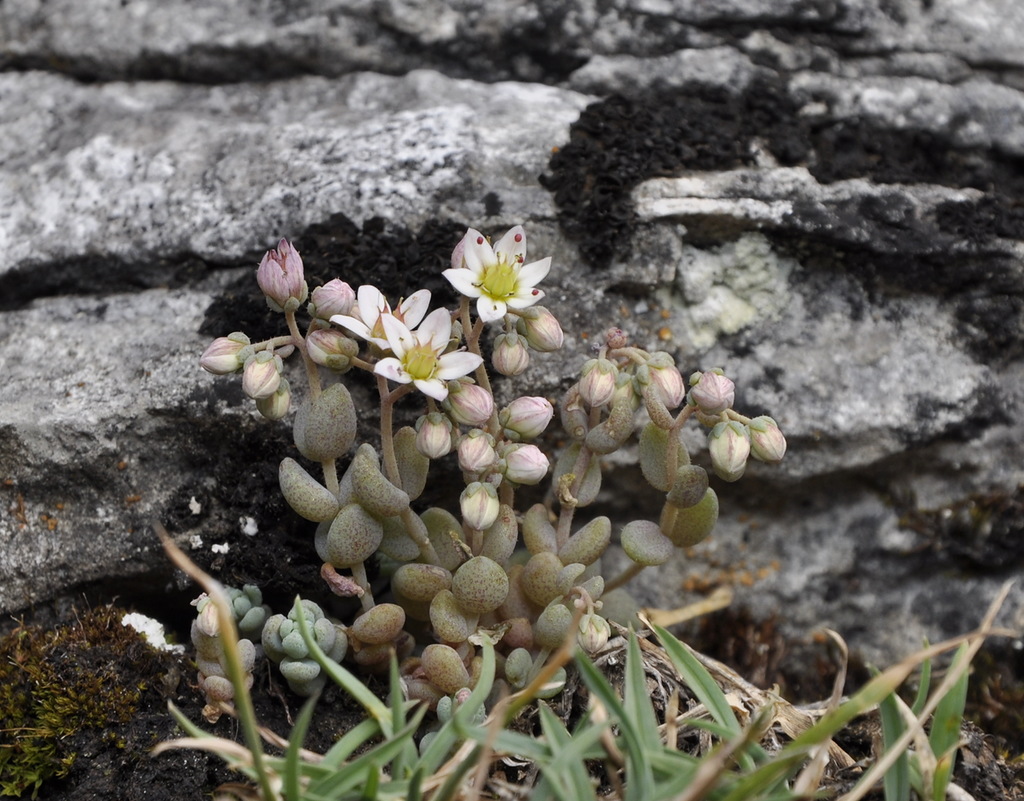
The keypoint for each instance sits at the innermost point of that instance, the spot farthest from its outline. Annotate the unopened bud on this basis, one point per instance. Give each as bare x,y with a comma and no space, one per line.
615,337
712,392
207,621
729,445
666,378
525,464
625,390
594,633
221,357
526,418
476,452
331,349
434,435
469,404
262,375
334,297
280,277
767,444
541,329
479,505
276,406
510,356
598,381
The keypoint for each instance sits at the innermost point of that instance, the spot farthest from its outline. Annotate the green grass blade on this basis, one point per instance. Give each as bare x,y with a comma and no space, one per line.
451,784
349,742
946,722
640,778
292,768
404,763
349,775
699,681
896,782
923,687
343,678
636,700
566,774
372,784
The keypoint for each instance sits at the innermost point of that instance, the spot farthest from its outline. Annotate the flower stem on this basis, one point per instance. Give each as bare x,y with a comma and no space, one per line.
387,433
312,374
359,576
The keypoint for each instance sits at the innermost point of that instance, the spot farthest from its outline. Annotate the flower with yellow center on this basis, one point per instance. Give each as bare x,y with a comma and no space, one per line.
498,277
419,356
366,320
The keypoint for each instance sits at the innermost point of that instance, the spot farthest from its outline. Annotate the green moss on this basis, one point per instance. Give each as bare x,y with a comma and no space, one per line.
56,684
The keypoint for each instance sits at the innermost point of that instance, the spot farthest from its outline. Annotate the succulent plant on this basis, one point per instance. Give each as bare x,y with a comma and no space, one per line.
532,578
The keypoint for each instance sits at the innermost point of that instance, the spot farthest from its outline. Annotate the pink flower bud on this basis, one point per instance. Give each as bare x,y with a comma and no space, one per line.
207,621
280,277
221,357
469,404
334,297
511,356
479,505
262,375
276,406
525,464
667,379
712,392
597,385
729,445
331,348
541,329
593,634
526,418
616,338
767,444
434,435
476,452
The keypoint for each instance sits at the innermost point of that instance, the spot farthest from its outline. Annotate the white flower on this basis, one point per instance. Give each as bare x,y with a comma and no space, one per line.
499,277
371,308
419,355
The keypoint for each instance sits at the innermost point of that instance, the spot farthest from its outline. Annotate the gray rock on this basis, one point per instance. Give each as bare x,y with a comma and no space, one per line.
822,198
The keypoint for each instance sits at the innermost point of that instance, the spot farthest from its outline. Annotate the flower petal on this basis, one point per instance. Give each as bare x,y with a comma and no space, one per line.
464,281
457,364
533,273
371,303
477,252
357,327
392,368
433,387
525,298
400,338
414,307
511,248
436,330
489,310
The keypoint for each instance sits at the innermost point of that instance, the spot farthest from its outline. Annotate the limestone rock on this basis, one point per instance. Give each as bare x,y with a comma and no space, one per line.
821,197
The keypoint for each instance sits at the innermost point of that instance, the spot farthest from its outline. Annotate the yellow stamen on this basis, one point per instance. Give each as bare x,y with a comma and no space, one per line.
420,362
500,280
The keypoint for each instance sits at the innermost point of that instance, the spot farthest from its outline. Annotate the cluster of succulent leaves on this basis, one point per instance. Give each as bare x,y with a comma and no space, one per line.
55,684
622,747
520,575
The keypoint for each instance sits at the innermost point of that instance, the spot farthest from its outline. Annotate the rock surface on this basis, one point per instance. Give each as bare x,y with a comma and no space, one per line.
824,198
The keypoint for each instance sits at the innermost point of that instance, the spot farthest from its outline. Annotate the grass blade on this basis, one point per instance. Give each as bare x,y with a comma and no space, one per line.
699,681
292,772
343,678
896,782
640,776
944,737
